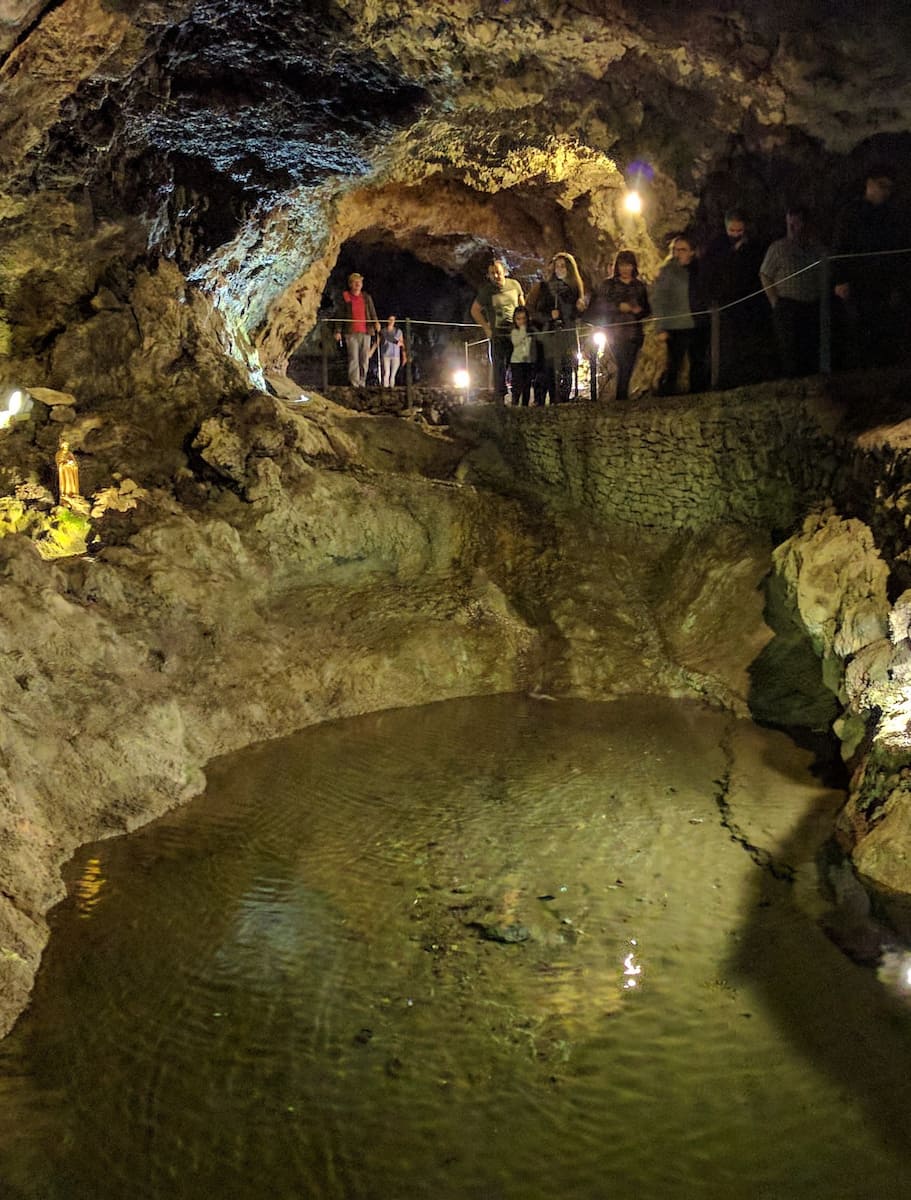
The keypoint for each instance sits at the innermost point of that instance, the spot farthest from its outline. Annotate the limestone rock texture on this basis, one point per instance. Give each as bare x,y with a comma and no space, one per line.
837,619
248,142
181,179
315,563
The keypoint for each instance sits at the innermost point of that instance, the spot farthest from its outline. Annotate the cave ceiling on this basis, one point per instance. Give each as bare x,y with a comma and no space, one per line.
248,140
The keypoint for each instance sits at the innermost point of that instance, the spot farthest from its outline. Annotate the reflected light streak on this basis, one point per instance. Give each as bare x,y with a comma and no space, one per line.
88,888
632,970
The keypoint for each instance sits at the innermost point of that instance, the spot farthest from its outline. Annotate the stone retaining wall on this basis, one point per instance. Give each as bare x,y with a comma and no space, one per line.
758,458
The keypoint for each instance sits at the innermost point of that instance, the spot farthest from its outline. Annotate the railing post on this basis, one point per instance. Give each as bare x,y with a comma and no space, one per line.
593,375
715,353
324,347
408,356
825,315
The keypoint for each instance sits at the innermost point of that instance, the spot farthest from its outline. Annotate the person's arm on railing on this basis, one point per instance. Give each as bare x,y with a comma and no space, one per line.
479,317
370,313
768,286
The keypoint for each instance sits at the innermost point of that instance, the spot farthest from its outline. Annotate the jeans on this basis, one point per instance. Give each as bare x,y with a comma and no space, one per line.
522,375
626,351
358,347
390,364
683,343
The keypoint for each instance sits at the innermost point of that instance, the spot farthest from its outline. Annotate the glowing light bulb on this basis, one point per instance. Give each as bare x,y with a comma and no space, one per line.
632,202
462,380
600,339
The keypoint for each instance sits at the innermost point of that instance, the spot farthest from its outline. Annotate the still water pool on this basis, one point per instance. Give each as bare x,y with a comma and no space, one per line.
496,949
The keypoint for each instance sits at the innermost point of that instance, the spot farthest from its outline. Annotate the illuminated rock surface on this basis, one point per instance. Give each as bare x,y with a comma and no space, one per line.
180,180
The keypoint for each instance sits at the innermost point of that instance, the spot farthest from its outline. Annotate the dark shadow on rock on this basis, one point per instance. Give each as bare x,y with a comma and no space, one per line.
786,684
836,1014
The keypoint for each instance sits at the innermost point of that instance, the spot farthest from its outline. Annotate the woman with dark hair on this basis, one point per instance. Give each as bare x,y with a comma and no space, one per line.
622,300
558,303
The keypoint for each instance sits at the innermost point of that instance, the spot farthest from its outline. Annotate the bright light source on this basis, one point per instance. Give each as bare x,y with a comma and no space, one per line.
462,380
599,337
632,202
303,399
13,406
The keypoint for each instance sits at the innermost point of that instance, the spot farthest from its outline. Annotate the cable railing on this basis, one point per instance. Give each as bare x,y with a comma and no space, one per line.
592,339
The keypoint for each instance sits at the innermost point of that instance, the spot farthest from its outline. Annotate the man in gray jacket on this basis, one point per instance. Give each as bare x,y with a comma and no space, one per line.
677,303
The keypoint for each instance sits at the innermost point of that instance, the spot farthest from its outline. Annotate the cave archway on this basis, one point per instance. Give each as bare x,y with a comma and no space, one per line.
435,298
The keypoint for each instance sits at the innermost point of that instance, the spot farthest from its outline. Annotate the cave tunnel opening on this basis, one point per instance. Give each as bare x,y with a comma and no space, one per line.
436,295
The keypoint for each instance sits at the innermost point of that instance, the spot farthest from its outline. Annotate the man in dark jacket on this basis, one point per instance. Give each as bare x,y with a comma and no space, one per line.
730,276
868,287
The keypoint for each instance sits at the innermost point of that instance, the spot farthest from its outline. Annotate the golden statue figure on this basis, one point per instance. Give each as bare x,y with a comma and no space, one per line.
67,473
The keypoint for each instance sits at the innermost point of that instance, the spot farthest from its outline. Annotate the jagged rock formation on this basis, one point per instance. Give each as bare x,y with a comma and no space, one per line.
249,141
180,179
320,563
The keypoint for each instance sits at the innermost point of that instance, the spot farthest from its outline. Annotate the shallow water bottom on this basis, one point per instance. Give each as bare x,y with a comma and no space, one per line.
494,948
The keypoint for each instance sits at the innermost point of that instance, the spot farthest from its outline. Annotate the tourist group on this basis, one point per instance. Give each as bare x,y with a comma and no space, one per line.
768,299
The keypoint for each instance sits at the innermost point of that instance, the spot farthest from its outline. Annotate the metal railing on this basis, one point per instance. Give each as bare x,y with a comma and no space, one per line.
586,332
329,326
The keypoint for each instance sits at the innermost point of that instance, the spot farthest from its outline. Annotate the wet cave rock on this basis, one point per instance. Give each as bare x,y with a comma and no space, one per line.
254,146
187,185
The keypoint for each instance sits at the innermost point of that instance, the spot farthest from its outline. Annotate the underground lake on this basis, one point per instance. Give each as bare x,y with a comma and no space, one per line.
499,947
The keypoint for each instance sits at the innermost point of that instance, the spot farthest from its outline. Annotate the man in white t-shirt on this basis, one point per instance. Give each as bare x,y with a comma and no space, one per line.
496,301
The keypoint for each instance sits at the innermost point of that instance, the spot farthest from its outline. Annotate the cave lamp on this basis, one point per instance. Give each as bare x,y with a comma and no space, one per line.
462,381
632,202
599,339
12,407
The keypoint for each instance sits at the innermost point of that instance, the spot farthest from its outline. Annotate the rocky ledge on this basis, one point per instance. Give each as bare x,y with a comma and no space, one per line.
315,563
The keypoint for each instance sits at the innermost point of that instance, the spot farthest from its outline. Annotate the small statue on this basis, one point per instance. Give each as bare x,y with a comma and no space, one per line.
67,473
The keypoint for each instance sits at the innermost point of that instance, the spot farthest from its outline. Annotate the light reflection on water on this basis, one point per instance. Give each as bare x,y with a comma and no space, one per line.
491,949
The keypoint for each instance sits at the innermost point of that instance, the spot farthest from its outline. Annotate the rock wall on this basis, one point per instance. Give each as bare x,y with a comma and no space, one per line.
841,585
757,457
837,598
320,563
